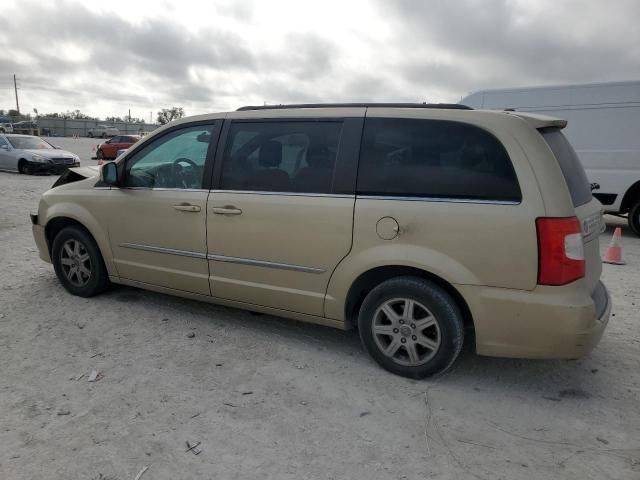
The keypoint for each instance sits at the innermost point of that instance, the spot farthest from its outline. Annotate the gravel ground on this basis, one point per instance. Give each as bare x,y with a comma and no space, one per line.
271,398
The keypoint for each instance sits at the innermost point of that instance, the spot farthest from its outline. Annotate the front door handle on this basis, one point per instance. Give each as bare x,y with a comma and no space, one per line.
187,207
226,210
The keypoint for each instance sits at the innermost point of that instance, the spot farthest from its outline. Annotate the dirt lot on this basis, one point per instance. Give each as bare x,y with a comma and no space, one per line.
270,398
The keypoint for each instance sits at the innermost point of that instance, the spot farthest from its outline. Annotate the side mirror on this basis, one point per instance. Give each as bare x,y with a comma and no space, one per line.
109,174
4,147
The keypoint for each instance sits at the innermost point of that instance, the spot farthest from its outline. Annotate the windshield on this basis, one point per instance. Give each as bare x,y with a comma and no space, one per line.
29,143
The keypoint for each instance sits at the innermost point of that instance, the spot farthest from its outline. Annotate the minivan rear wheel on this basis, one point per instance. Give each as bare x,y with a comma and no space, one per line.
634,218
411,327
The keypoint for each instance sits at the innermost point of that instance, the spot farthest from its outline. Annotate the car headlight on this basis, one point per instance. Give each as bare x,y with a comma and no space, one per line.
39,159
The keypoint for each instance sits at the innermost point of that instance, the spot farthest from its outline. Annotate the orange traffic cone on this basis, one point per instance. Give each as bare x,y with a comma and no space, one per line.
614,251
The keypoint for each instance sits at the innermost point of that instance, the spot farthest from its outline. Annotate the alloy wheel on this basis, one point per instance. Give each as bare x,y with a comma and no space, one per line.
406,331
75,262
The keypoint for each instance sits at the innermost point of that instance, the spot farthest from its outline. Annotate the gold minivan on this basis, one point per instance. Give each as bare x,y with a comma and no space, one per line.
421,225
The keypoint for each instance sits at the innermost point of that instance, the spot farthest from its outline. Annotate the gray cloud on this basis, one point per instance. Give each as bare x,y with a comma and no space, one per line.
502,43
436,51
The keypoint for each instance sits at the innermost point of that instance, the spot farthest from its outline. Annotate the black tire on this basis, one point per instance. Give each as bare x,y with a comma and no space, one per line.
634,218
23,167
90,134
98,279
100,154
441,310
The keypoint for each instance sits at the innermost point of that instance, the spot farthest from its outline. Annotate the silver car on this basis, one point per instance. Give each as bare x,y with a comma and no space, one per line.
29,154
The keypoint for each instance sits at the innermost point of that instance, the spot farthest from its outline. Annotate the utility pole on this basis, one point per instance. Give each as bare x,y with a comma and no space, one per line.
129,115
15,87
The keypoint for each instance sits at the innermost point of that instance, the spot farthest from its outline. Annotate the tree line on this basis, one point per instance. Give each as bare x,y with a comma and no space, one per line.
163,116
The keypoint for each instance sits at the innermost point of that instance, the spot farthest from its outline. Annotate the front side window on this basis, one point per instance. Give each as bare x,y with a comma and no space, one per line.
281,156
434,158
175,160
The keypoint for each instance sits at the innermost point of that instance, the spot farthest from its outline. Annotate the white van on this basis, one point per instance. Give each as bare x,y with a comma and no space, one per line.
604,128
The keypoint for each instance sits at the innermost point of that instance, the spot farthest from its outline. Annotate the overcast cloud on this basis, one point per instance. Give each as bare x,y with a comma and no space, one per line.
218,55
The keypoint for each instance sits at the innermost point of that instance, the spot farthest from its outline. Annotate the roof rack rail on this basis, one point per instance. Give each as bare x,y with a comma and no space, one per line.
450,106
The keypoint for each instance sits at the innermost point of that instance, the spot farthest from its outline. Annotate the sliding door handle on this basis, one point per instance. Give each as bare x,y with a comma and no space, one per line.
187,207
226,210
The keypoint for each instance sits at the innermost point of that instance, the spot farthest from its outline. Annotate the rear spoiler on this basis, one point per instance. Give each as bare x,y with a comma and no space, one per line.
539,121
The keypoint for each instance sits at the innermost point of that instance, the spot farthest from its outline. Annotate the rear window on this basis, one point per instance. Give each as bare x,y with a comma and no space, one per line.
572,169
434,158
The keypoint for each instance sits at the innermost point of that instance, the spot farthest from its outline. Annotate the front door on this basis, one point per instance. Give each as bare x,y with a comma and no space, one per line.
277,228
157,220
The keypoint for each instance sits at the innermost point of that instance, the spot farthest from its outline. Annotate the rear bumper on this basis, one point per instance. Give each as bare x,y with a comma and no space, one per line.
548,322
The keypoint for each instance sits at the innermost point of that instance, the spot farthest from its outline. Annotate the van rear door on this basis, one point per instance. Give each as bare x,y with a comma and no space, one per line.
588,209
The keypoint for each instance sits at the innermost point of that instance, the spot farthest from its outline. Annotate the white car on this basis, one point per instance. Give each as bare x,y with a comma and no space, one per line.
6,128
103,131
29,154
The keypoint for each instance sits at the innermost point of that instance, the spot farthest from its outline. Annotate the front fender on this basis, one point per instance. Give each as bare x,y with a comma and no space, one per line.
77,212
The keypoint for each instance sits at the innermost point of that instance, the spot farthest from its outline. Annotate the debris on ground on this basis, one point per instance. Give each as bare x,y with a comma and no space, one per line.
230,405
64,412
191,335
248,392
95,376
193,447
141,472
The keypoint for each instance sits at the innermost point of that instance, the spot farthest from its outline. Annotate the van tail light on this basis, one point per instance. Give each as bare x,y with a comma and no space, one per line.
560,251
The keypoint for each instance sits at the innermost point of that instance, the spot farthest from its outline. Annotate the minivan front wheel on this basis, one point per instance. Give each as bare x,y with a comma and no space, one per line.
411,327
78,262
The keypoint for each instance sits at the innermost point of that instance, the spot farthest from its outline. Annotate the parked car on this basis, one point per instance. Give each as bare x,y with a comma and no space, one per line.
6,128
24,126
103,131
602,127
109,149
29,154
417,223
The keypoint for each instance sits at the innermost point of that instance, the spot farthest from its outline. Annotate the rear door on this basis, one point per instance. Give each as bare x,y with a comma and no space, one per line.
588,209
280,219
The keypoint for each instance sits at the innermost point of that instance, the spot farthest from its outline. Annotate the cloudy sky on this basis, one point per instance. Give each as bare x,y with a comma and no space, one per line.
104,57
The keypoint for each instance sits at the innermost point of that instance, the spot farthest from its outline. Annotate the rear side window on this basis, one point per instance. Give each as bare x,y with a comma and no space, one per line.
572,169
434,158
281,156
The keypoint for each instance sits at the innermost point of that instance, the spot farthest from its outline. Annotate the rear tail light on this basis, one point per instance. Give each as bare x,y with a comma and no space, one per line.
560,251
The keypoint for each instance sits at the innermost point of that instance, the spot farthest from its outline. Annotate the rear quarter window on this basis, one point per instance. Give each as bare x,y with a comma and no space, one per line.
572,169
434,158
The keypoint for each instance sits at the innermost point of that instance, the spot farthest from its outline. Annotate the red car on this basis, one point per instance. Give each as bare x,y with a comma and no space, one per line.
109,149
